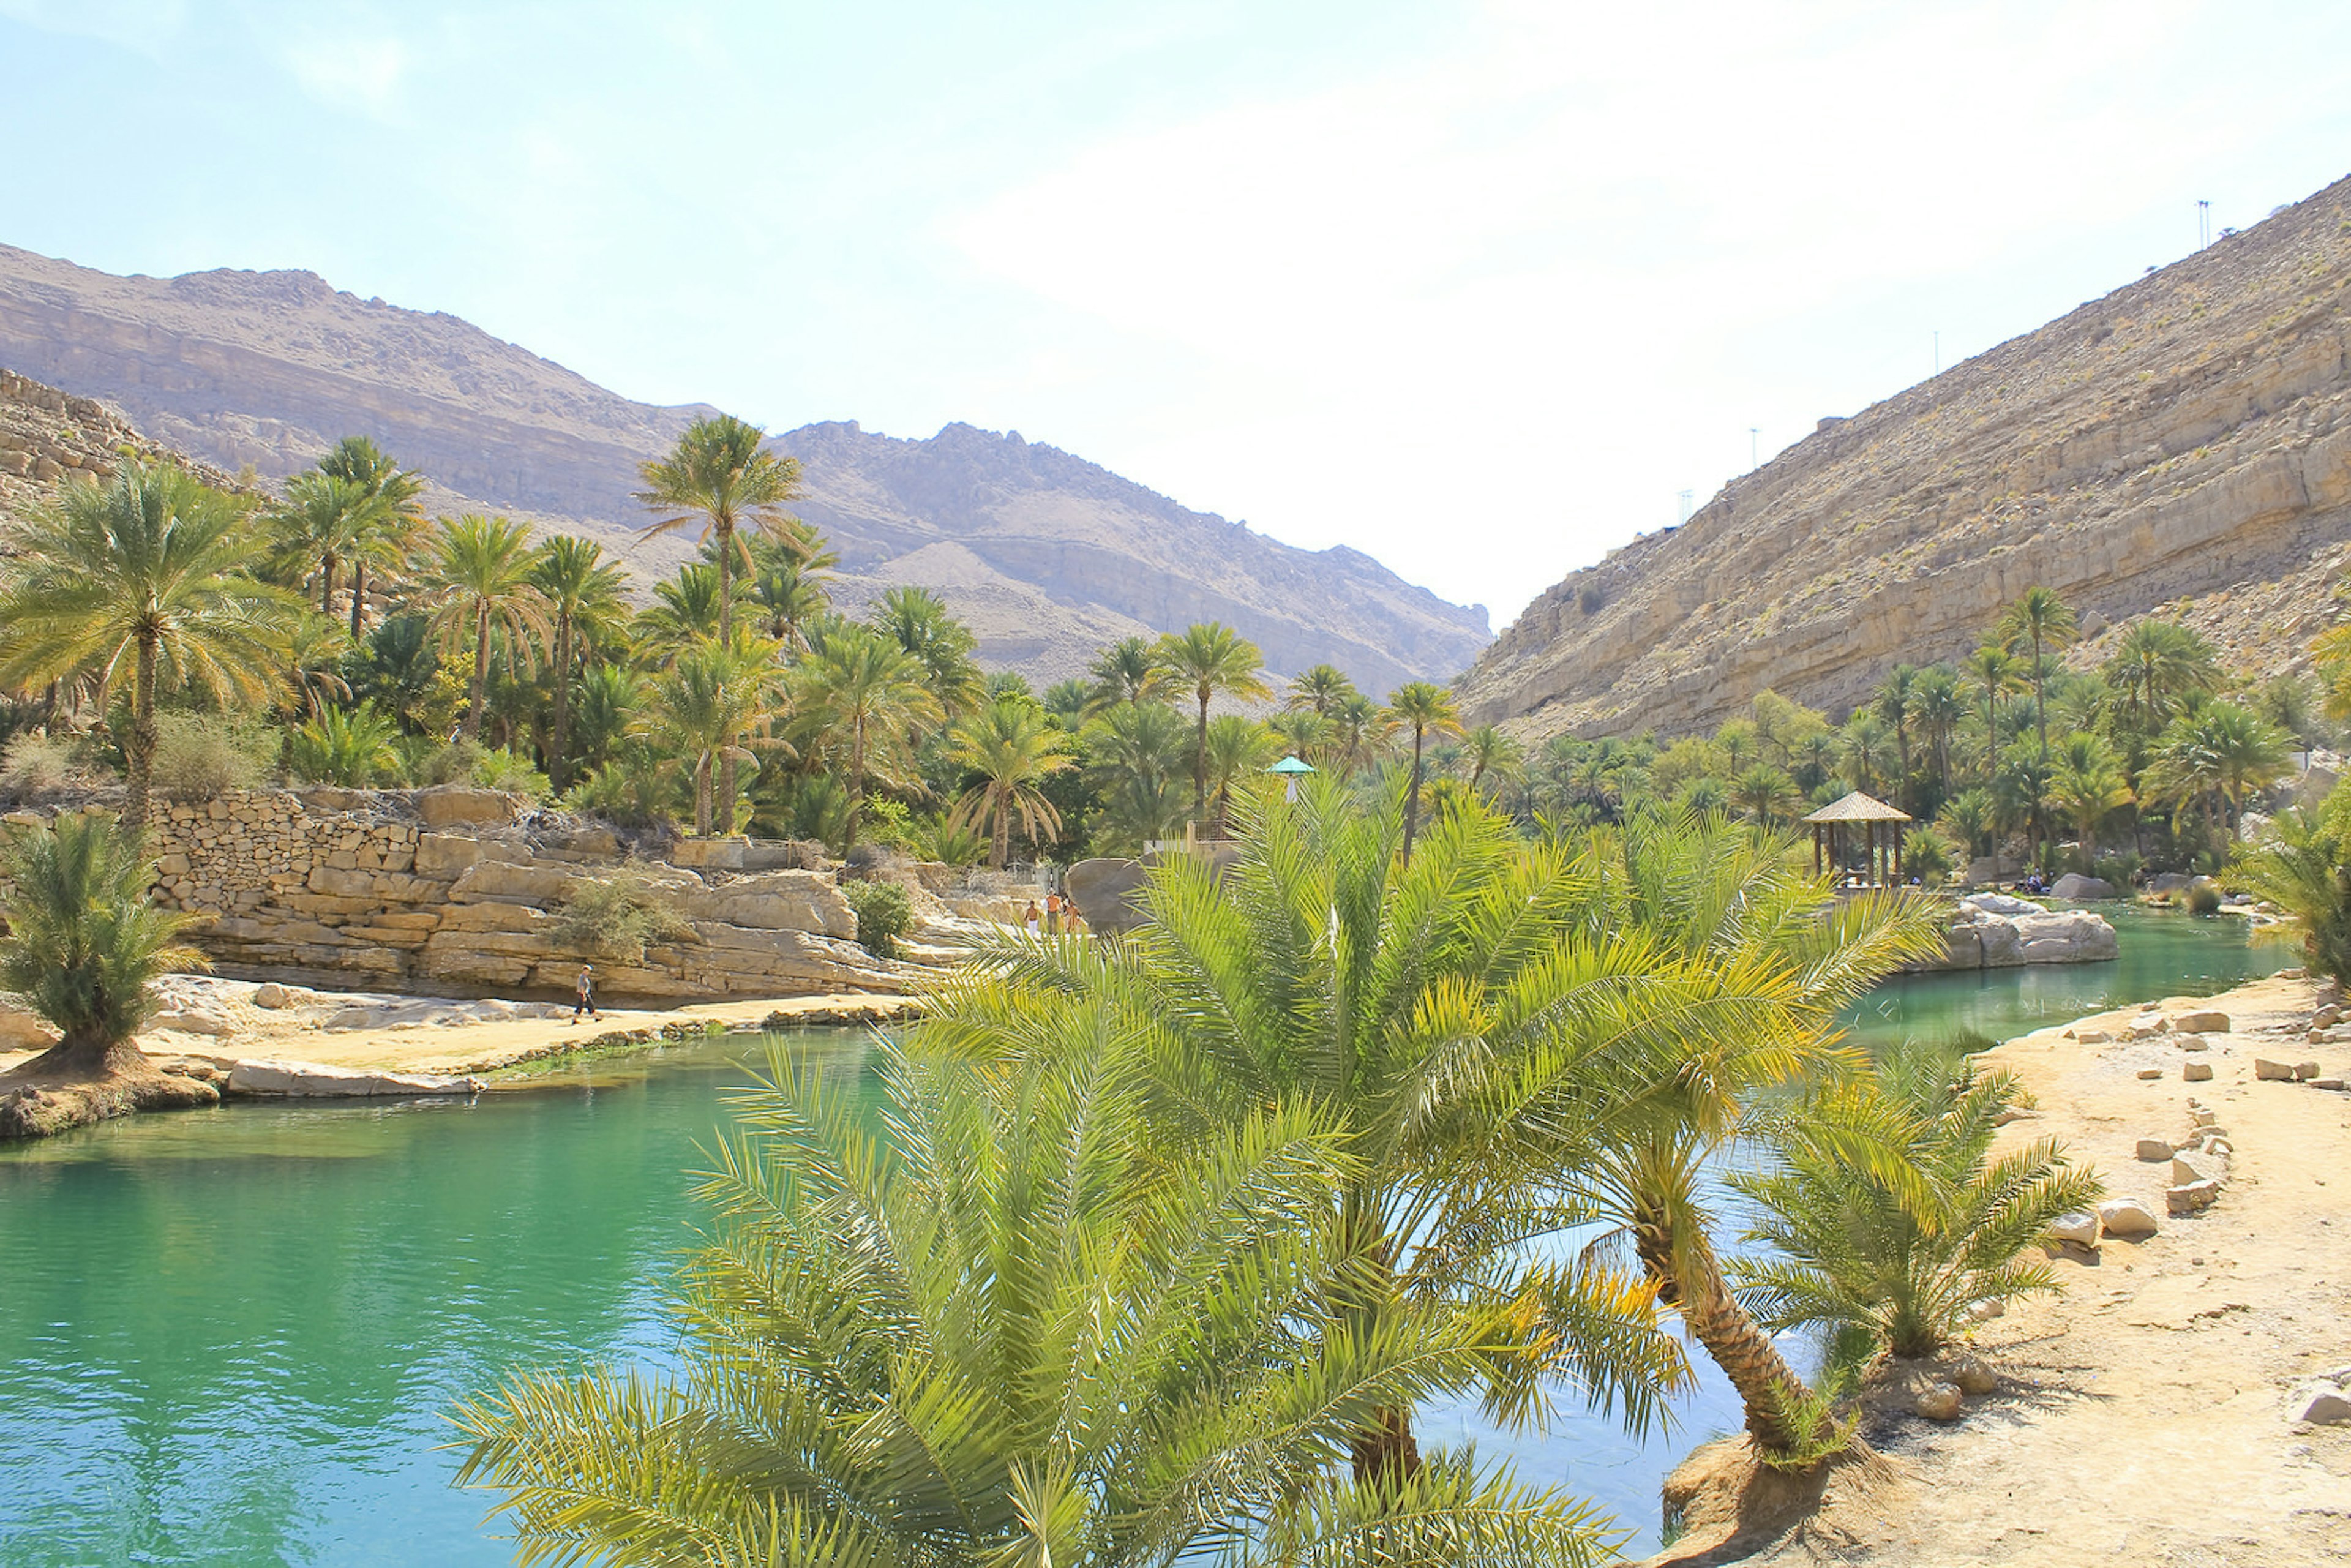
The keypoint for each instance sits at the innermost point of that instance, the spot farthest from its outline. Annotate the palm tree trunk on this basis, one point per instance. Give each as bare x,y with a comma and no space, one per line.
1412,802
725,533
359,596
327,586
701,796
856,787
1000,849
1768,1389
472,728
141,753
558,766
1200,760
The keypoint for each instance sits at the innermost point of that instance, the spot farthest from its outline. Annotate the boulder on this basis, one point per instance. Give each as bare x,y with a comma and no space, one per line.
2321,1404
1973,1376
2079,1227
443,855
2155,1148
2192,1042
2207,1023
1937,1402
2000,903
352,1018
308,1080
2189,1198
20,1031
2271,1072
776,901
2126,1217
272,996
2303,1071
2196,1071
445,805
194,1022
2198,1165
1106,893
501,882
2076,888
2150,1073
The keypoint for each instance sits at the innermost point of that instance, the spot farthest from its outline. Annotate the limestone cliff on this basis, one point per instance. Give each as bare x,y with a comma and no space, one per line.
2181,445
1047,555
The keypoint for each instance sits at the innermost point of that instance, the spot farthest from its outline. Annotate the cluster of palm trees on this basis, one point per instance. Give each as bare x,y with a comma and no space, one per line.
2151,751
390,648
1155,1246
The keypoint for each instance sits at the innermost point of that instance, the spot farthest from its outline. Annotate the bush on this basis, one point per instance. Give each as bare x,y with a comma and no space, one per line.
617,917
951,843
38,761
352,747
885,913
199,757
627,791
1927,855
2202,898
466,761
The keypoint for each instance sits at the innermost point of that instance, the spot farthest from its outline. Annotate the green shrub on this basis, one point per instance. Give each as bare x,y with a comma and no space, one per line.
617,917
949,842
38,761
199,757
352,748
515,774
628,790
2202,898
885,913
1927,855
450,764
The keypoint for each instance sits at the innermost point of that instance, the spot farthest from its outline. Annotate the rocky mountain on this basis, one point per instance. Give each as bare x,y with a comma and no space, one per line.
1048,556
2182,445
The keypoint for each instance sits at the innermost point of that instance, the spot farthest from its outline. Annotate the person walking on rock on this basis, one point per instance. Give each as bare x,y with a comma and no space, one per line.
1029,918
584,994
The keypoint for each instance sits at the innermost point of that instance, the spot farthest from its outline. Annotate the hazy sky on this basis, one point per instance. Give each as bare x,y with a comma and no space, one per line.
1476,288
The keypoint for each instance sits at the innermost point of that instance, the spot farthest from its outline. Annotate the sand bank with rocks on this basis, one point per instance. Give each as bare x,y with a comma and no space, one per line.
2153,1412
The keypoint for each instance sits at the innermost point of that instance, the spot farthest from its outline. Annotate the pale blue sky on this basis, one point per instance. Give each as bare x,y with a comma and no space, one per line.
1476,288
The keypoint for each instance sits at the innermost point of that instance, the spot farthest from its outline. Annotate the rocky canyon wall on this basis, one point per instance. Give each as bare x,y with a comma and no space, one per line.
2180,446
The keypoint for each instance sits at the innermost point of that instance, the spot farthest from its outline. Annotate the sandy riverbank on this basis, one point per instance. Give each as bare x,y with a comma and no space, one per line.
427,1035
2143,1413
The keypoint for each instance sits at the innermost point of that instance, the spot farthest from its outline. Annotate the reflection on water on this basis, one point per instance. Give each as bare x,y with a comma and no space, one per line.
232,1336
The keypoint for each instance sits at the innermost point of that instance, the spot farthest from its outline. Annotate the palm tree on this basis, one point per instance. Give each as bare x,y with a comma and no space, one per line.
389,520
583,591
1237,746
721,475
1765,794
2154,664
1134,754
2042,621
1013,748
1005,1337
861,696
318,530
83,946
2089,784
1426,709
685,610
1205,658
2304,866
707,703
1493,755
1862,743
1887,1214
921,624
1120,673
1731,900
1939,707
788,590
147,569
479,582
2218,756
1896,705
314,646
609,700
1304,736
1994,671
1317,691
348,747
1968,817
1354,733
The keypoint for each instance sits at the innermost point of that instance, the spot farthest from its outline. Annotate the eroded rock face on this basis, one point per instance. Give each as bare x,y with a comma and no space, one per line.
1105,890
1981,936
377,898
2187,435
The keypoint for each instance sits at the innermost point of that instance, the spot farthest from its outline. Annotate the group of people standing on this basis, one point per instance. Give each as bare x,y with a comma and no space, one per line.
1059,915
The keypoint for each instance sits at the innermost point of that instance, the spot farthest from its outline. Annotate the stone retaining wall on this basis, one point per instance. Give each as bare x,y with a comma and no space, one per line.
452,889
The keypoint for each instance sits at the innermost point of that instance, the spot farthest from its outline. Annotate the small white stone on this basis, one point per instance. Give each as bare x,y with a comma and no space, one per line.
2154,1148
2079,1227
2126,1217
2323,1404
1940,1402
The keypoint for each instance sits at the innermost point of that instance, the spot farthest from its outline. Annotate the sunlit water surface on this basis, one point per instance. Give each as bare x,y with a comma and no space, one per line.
233,1336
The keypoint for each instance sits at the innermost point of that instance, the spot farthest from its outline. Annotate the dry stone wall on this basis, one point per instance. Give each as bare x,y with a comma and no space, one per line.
451,890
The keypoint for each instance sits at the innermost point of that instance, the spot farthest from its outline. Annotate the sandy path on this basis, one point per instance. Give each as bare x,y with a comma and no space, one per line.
2143,1416
471,1043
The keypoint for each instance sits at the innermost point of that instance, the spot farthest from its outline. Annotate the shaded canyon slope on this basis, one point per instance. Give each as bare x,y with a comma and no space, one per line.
1046,555
2182,446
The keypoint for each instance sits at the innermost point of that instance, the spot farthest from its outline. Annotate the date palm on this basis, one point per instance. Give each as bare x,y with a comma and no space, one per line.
860,697
1495,755
986,1328
1318,690
1119,673
2043,623
1303,734
479,582
391,521
1939,708
1885,1213
348,747
319,529
1136,759
147,570
1238,748
721,475
920,623
1204,659
1426,709
1013,748
583,593
713,698
2088,785
2154,665
1995,672
82,945
1765,795
788,590
1896,705
685,610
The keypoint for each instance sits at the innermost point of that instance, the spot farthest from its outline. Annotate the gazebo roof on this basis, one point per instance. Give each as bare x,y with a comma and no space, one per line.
1858,808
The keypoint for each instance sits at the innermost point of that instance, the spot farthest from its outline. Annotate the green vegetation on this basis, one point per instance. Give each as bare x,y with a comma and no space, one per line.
82,945
884,915
617,917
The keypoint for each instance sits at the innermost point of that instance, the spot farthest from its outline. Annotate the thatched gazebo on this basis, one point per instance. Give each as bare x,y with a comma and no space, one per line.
1828,825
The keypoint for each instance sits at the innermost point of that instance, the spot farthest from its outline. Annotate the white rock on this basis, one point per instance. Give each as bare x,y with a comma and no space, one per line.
2271,1072
211,1024
1937,1402
1973,1376
2079,1227
2192,1042
352,1018
2000,903
2154,1148
2190,1198
2196,1071
2323,1404
272,996
2126,1217
2206,1022
308,1080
